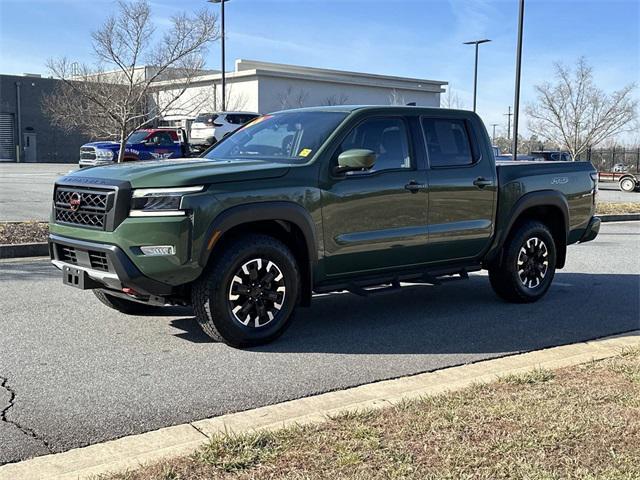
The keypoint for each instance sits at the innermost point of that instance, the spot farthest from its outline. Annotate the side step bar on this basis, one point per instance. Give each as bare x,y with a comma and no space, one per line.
395,283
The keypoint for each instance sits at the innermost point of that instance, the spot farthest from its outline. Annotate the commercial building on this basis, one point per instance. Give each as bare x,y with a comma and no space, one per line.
266,87
26,134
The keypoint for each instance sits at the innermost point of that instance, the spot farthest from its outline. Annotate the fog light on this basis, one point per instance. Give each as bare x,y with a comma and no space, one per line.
155,250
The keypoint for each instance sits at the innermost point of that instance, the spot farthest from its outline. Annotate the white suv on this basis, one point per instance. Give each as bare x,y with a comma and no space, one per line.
209,128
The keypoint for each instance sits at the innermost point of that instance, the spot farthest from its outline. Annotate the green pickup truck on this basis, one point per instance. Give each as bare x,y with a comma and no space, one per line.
316,200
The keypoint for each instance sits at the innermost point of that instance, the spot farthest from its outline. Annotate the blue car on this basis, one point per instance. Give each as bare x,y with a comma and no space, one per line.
147,144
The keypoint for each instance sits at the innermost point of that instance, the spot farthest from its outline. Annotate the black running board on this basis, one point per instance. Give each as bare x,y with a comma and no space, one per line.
394,285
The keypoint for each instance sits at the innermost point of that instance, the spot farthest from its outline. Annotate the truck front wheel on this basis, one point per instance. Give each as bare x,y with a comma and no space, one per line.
248,293
528,264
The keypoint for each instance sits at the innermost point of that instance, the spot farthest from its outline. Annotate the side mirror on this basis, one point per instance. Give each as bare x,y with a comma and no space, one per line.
355,159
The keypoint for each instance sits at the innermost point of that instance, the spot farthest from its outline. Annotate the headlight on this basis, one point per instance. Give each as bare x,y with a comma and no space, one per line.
104,154
157,202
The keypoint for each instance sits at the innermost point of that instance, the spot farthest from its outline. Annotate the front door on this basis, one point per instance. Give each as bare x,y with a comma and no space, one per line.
376,220
30,148
462,189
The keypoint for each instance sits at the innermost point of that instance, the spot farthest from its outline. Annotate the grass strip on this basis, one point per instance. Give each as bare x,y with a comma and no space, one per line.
581,422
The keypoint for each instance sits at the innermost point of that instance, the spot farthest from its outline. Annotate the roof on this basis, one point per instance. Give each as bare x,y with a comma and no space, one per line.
245,69
352,108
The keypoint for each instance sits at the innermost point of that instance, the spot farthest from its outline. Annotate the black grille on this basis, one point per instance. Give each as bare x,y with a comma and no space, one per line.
68,254
90,212
85,258
98,261
87,153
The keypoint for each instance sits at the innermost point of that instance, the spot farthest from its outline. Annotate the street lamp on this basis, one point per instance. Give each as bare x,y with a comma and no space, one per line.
516,102
475,73
222,2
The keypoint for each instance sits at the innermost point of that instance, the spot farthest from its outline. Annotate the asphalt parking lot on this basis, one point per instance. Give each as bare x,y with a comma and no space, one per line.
76,373
26,190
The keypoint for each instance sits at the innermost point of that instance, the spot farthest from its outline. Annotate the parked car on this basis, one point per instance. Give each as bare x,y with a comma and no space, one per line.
209,128
552,156
146,144
620,168
318,200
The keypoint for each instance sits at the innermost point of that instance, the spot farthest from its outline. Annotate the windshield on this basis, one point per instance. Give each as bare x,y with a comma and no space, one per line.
281,136
137,137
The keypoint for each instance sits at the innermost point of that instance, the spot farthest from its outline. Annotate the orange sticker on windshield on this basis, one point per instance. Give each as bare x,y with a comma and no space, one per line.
305,152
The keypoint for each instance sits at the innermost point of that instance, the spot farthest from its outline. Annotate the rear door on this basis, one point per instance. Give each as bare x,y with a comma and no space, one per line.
462,187
375,220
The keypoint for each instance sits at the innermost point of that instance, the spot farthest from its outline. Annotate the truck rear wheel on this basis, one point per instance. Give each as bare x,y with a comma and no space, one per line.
128,307
248,293
528,264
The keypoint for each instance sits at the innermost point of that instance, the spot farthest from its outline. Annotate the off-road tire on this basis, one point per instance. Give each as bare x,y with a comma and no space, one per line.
125,306
211,292
506,278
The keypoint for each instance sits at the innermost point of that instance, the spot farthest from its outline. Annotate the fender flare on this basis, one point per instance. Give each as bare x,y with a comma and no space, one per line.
264,211
542,198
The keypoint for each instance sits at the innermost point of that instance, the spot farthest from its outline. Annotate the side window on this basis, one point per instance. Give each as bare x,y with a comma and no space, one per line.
386,137
162,138
447,142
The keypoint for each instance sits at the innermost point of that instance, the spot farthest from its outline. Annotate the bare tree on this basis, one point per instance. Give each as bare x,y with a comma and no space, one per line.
292,98
331,100
396,98
575,114
451,100
115,97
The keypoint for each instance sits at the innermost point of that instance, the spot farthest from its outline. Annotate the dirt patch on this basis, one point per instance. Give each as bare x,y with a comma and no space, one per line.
12,233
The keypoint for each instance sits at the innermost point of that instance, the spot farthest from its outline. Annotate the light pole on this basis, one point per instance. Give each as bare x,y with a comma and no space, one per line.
222,2
493,139
516,102
475,72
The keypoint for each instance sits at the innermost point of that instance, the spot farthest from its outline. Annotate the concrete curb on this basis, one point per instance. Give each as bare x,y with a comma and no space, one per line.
130,452
24,250
620,217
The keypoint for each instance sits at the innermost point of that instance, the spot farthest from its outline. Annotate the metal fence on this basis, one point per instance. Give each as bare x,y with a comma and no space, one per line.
605,159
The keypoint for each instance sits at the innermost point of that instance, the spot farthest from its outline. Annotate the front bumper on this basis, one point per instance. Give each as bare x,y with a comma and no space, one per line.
592,230
105,264
94,163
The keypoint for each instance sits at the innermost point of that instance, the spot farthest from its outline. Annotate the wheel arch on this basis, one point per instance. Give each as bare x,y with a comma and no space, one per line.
287,221
550,207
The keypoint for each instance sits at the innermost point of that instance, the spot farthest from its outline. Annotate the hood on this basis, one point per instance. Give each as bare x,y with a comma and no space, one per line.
108,145
183,172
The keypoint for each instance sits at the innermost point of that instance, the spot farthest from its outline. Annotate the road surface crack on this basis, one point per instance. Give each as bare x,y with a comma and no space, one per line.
3,416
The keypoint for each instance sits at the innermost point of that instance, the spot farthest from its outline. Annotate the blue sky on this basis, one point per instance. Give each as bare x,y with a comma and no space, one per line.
417,38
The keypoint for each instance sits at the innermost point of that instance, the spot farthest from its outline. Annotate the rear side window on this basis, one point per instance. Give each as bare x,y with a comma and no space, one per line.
447,142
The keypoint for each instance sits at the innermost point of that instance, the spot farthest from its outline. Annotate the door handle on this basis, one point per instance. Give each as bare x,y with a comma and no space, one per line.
482,182
415,187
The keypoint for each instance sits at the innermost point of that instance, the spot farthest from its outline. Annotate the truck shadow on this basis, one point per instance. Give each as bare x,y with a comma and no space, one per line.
461,317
